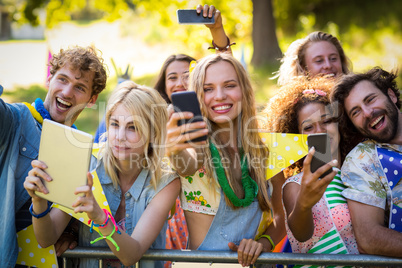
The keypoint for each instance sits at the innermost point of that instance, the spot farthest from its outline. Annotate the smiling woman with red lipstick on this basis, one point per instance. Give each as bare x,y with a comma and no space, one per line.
225,196
173,77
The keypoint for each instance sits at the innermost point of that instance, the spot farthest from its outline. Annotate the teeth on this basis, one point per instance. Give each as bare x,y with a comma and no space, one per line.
220,108
63,102
376,121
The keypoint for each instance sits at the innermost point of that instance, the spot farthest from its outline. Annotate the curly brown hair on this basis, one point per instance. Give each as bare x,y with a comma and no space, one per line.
282,109
382,79
281,112
84,59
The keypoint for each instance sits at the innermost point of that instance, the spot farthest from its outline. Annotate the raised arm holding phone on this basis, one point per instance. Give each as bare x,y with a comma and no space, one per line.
314,206
173,77
220,185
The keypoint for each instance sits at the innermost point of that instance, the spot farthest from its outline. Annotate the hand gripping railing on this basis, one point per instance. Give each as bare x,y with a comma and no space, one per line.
231,257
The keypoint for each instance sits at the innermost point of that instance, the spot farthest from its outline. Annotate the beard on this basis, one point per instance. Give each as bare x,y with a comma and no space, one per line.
389,133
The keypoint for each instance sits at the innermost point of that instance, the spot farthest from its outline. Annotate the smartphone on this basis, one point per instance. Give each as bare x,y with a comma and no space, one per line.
190,16
186,101
322,154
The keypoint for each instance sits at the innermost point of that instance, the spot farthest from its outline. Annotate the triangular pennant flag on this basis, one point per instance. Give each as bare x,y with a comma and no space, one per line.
31,253
284,150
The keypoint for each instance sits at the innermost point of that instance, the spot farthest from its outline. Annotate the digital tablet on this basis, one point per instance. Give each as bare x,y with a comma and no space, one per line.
67,153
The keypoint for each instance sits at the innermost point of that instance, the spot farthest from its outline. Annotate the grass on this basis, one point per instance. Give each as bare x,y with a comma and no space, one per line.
26,94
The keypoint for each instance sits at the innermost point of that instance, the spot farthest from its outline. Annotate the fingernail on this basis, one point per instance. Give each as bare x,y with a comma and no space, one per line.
312,149
336,169
335,162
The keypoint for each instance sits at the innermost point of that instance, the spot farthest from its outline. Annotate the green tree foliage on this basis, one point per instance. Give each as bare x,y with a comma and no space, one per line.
369,30
369,14
292,16
237,17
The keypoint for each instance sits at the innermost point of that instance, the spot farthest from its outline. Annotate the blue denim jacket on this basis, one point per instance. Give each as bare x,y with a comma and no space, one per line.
19,145
137,197
232,225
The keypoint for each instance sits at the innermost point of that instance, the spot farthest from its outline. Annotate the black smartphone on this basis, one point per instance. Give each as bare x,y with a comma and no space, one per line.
186,101
322,154
190,16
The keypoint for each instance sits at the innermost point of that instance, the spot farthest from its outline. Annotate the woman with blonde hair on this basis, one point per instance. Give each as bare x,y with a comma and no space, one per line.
225,196
139,190
319,53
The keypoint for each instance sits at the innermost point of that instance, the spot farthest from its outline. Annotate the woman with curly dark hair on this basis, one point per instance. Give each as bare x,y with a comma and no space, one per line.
314,206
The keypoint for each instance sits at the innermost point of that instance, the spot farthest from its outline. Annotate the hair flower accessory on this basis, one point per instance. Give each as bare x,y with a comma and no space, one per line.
314,91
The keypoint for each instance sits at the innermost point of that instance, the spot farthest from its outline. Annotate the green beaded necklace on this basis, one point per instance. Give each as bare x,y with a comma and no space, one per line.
250,187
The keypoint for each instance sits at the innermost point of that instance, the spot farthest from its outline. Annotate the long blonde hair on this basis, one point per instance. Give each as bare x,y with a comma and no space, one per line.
254,149
149,111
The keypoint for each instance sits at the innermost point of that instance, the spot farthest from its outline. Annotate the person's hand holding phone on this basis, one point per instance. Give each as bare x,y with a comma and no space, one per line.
312,187
212,19
210,11
180,137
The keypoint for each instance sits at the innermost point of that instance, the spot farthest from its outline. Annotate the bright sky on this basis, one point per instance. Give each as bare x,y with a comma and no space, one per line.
24,62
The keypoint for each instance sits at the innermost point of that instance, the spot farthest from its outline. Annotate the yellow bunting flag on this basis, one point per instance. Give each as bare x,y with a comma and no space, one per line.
284,150
31,253
266,220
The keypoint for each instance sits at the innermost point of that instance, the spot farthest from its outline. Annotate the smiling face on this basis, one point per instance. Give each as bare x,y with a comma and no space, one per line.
323,58
123,137
374,114
316,118
176,74
222,93
70,91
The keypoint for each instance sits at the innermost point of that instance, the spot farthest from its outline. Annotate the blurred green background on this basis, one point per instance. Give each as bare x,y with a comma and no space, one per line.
369,30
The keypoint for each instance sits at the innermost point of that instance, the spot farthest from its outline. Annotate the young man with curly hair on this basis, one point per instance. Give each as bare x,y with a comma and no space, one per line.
77,76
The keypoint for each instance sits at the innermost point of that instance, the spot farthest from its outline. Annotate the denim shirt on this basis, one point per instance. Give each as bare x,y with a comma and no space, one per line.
232,225
137,197
19,144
